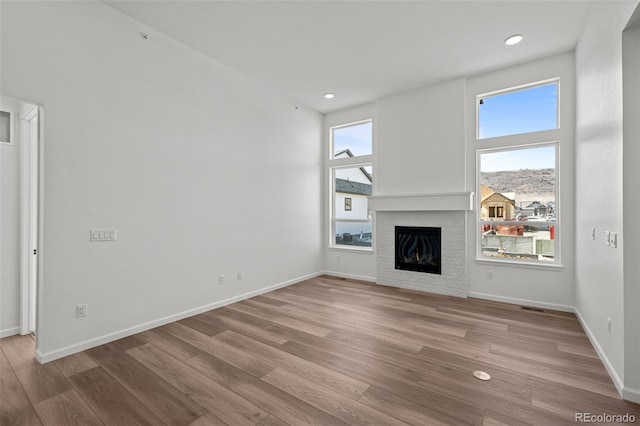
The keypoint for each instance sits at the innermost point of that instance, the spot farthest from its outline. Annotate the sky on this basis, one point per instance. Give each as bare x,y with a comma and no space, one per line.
356,138
543,157
518,112
523,111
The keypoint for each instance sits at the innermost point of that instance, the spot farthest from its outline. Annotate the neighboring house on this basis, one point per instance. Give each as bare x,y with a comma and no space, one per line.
551,207
495,205
352,188
536,207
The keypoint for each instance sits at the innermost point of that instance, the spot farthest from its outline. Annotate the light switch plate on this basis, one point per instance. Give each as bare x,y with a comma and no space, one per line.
102,234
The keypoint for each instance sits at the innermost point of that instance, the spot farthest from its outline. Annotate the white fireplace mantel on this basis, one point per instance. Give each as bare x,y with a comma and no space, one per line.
445,201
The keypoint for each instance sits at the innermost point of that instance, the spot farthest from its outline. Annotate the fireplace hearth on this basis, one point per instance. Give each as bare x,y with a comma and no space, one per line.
418,249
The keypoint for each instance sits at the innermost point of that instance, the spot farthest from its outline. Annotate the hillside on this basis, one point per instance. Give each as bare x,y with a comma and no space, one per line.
528,185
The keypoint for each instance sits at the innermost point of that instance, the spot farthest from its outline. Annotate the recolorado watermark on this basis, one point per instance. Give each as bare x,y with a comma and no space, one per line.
604,418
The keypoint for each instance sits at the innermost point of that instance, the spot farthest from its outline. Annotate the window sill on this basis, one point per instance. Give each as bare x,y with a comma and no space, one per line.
363,250
521,264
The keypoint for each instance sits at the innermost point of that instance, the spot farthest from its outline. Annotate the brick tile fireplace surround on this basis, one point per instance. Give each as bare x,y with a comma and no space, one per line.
446,211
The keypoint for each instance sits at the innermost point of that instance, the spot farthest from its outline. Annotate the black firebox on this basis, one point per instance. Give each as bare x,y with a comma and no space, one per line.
419,249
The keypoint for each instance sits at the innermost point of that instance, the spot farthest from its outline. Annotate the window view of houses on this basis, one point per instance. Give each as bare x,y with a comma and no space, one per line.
517,183
518,207
352,189
352,184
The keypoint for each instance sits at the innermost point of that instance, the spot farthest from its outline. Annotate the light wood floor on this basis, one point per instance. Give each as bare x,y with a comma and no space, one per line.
326,351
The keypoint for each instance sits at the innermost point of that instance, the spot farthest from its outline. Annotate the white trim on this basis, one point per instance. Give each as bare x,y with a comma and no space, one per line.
351,162
345,125
28,228
40,281
519,88
350,276
44,357
445,201
630,394
534,264
358,249
9,332
523,302
25,164
603,356
12,125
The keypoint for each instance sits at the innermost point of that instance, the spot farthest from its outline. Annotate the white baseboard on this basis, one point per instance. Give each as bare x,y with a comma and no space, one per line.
350,276
9,332
523,302
626,393
618,383
630,394
44,357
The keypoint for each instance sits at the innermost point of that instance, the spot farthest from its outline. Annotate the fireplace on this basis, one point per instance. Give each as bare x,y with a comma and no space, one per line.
418,249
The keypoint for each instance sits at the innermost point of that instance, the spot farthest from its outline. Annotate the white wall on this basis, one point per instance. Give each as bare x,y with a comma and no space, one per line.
599,177
420,141
10,227
201,171
546,287
631,176
418,148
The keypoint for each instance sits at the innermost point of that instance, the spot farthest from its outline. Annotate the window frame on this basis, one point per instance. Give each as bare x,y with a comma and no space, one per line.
549,137
513,89
345,163
12,125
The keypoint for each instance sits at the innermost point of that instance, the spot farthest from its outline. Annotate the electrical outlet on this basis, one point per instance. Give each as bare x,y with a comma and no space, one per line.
489,275
240,275
593,233
220,279
609,325
613,239
81,310
607,237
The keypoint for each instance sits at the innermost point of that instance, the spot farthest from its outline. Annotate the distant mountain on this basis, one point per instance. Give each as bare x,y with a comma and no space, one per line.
528,184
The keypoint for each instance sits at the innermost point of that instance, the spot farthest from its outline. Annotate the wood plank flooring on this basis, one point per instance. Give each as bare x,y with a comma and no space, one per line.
327,351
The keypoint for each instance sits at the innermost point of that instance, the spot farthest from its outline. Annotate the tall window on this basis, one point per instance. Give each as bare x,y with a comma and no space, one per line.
517,182
350,168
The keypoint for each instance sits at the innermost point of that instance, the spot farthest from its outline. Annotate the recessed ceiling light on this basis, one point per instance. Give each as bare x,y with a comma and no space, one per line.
514,39
329,96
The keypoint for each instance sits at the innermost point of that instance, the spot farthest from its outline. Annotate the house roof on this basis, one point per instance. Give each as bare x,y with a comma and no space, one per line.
349,187
344,151
497,197
350,154
486,192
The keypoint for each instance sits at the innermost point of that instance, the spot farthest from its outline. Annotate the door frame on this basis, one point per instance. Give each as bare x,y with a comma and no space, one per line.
30,214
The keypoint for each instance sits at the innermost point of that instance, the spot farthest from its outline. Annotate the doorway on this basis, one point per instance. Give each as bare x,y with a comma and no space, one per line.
20,184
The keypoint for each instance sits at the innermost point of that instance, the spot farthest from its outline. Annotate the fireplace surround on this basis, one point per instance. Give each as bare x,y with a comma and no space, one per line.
452,279
447,211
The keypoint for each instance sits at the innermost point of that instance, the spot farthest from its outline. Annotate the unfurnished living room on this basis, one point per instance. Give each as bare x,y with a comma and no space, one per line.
319,212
